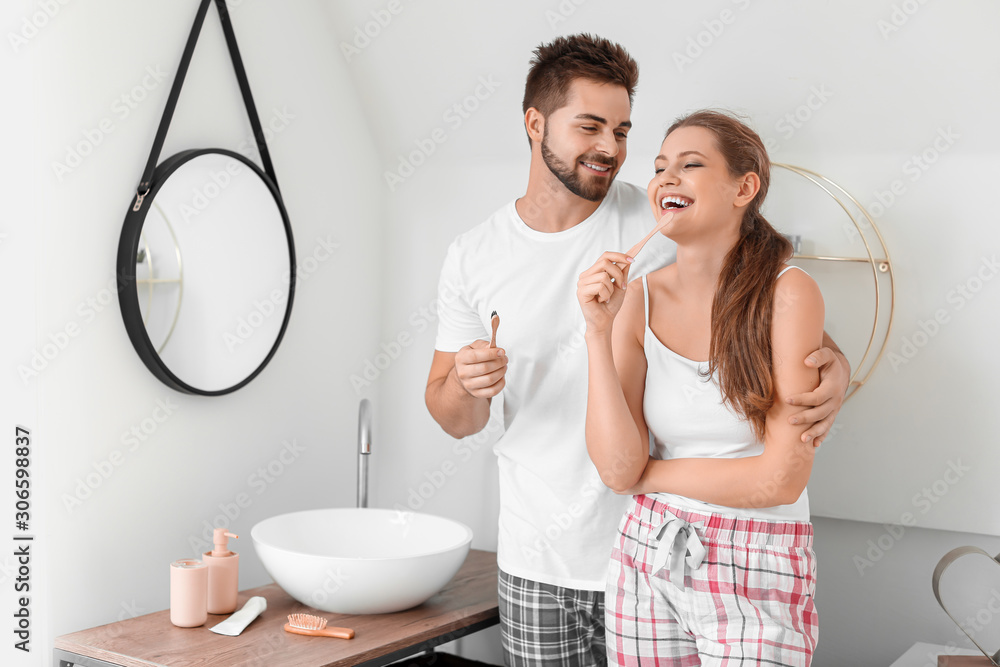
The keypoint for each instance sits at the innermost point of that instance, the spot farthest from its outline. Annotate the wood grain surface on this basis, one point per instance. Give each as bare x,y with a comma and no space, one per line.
964,661
152,641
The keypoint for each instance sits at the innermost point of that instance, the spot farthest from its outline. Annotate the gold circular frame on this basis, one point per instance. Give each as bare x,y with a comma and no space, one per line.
880,265
146,257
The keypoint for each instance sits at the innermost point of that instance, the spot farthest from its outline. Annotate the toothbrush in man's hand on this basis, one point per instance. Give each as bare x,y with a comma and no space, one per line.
495,321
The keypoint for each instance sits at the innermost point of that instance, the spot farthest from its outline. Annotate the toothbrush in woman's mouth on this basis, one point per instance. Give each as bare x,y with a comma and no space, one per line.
664,219
675,202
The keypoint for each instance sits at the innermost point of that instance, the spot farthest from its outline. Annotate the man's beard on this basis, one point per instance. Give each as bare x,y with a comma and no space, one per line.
591,189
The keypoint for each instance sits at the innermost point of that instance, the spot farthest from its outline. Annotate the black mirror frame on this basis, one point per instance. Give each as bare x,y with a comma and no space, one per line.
128,248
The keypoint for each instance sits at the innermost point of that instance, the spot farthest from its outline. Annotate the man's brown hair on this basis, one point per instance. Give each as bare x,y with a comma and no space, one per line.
555,65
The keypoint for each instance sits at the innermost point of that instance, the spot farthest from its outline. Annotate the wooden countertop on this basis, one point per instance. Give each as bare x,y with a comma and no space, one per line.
469,599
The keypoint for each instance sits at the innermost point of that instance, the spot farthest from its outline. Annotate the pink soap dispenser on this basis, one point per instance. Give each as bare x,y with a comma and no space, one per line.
223,574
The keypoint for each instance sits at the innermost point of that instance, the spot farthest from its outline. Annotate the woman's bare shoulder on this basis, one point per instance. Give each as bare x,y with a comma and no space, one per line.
797,299
662,279
795,287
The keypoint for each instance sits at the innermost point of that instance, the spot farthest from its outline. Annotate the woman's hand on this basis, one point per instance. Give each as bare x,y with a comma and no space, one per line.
601,291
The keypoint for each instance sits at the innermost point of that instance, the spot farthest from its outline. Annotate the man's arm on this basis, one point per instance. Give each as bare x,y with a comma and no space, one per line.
826,400
461,385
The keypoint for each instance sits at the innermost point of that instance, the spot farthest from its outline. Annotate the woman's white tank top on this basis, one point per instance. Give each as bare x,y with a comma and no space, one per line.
687,419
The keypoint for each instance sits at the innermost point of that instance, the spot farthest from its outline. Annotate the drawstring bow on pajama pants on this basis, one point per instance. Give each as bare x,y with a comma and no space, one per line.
677,544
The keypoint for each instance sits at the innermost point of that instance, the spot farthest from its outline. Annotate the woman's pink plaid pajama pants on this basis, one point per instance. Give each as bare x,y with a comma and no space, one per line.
686,588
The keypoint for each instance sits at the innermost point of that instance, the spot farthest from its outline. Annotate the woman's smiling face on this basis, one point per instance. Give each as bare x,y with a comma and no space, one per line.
693,182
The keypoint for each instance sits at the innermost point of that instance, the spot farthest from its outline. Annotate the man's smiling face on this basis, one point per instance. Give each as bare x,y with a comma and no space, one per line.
585,141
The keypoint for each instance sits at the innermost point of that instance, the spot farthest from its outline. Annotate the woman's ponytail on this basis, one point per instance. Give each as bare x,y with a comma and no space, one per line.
742,310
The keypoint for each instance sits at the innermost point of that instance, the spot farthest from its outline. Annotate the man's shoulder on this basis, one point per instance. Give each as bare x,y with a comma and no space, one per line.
485,234
627,200
630,194
632,204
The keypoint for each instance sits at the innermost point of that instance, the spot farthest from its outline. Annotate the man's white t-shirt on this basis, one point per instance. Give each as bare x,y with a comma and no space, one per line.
557,519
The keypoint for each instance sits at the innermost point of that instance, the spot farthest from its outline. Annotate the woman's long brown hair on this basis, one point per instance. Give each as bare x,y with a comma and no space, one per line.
740,349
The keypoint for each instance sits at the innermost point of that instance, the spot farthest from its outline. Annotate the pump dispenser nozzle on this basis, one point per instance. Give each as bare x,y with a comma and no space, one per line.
221,538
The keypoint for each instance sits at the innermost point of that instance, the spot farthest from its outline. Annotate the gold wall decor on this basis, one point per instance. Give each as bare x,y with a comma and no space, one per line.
876,257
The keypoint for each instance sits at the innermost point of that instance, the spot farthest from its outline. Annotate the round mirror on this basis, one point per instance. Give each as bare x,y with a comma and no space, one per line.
206,271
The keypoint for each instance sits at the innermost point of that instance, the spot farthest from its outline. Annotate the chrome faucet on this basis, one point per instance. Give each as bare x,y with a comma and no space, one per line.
364,449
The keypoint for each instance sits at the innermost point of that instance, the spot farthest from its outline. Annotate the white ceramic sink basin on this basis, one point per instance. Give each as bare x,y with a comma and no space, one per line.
361,560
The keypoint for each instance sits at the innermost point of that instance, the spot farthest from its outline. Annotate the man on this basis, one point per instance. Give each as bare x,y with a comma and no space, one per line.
557,520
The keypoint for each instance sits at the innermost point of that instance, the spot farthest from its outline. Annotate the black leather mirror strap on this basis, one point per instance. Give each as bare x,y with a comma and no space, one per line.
161,133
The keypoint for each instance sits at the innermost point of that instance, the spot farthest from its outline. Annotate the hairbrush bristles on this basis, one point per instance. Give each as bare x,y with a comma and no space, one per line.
307,621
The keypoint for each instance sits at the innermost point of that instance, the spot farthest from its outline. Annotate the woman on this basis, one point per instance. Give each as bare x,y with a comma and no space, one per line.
714,562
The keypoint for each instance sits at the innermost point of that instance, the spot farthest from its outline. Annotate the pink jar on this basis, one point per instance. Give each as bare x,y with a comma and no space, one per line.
188,593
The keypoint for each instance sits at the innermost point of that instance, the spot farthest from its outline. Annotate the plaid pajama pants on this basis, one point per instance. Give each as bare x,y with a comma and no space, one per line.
689,589
543,625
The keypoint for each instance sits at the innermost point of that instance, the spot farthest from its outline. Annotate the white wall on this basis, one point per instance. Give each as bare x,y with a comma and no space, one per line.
355,115
106,557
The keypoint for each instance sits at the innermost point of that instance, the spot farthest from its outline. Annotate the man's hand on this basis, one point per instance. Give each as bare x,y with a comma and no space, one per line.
825,401
480,369
461,386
